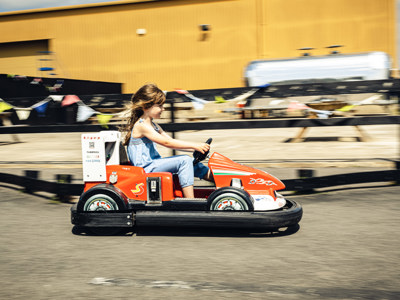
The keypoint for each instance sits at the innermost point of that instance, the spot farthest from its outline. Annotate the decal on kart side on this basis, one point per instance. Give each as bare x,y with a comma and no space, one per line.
261,181
113,178
139,189
231,172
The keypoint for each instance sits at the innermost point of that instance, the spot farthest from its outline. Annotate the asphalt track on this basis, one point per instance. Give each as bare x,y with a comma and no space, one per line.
347,247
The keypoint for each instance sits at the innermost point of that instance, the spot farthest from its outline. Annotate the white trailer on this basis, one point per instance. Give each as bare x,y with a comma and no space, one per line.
334,67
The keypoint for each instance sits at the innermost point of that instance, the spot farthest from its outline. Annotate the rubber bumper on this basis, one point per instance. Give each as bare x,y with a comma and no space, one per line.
208,219
102,219
222,219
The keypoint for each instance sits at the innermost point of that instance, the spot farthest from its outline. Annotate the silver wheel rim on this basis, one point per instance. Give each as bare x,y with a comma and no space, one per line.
100,202
229,201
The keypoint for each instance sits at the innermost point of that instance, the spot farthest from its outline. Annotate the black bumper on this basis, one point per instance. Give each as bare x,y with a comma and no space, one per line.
289,216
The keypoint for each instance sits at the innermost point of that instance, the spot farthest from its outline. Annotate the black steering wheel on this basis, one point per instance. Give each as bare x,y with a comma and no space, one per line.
198,156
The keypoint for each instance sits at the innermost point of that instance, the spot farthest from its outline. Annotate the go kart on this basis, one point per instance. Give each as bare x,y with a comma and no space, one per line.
119,195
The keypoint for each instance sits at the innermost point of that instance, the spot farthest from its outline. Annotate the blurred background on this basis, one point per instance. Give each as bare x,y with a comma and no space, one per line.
280,85
102,51
185,44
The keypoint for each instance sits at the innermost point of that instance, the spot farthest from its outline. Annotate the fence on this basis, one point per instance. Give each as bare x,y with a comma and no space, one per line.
389,87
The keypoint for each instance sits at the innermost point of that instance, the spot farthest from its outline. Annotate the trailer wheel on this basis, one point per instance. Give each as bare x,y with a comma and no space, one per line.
230,198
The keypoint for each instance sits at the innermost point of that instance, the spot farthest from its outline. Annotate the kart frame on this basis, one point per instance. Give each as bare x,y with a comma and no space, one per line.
119,195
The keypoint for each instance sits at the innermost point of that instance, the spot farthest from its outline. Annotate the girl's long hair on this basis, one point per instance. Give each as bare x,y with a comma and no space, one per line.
147,96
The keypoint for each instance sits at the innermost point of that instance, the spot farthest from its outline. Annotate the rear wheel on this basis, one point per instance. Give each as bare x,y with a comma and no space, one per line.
102,197
100,202
105,199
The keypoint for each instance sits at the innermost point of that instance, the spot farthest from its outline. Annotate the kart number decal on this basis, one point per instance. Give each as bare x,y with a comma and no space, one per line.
139,189
261,181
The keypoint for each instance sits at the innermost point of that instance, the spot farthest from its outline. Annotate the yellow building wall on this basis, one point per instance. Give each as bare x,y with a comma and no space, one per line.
101,43
358,25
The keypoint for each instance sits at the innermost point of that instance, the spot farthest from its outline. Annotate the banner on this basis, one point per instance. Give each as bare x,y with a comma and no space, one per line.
69,100
104,119
4,106
41,107
23,113
84,112
197,102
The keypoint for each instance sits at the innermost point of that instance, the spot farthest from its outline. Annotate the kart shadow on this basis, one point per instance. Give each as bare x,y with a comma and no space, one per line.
216,232
189,232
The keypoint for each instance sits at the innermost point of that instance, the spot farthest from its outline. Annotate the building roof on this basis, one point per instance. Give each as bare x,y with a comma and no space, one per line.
73,7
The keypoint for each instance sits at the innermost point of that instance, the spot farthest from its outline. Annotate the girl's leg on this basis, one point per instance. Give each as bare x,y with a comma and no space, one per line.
188,192
203,172
179,164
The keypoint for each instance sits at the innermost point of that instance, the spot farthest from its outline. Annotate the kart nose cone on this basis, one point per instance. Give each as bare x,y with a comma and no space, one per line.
267,202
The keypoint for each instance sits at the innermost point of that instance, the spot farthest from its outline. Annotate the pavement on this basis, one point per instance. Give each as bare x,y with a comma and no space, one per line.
328,150
345,248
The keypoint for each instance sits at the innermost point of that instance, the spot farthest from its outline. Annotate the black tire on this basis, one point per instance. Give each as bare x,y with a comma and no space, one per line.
111,196
103,197
230,198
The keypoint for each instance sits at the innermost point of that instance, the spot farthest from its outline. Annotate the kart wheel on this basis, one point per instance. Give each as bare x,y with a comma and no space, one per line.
100,202
101,198
230,198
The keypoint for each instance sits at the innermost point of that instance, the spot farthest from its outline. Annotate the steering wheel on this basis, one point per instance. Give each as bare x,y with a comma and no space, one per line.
198,156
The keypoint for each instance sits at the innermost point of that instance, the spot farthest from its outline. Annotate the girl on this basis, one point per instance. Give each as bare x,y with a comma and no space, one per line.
142,133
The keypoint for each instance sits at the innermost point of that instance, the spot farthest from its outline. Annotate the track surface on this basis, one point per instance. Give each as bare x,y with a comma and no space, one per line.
347,247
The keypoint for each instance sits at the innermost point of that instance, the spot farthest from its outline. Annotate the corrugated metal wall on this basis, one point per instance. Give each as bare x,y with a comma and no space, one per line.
101,43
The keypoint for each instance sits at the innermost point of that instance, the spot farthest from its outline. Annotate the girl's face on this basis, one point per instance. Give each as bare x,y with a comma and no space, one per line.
155,111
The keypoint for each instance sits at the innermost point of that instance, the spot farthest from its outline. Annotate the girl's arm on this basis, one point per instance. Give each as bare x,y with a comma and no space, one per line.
163,133
165,140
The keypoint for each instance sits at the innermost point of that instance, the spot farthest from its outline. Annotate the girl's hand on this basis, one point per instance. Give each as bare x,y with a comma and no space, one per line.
202,147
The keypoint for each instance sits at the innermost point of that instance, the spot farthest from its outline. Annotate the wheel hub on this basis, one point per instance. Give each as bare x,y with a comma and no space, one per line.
228,204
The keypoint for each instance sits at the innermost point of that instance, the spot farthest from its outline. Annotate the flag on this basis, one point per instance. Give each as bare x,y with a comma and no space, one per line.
84,112
57,97
295,105
41,107
180,91
69,100
36,81
104,119
219,99
23,113
197,102
4,106
346,108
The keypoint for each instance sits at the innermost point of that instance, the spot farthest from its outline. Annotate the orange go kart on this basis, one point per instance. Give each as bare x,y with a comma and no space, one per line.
117,194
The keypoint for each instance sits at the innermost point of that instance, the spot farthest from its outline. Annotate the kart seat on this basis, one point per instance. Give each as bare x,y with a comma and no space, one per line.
123,156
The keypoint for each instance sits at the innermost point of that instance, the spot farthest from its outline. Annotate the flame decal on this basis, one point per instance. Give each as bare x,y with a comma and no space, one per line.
139,189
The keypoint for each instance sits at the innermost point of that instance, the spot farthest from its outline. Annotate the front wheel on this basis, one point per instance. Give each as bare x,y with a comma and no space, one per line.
230,198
